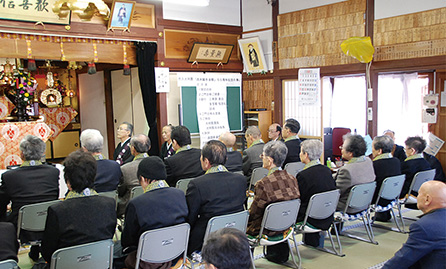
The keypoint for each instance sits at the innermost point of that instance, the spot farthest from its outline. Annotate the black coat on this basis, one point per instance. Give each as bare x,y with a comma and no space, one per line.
385,168
315,179
184,164
212,195
234,161
8,242
108,174
410,168
164,149
435,164
399,153
293,146
78,221
127,156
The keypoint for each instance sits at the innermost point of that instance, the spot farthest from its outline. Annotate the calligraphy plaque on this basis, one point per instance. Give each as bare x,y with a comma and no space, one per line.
30,10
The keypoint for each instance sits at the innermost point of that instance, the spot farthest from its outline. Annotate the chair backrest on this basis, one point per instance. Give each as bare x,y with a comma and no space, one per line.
280,216
322,205
294,168
136,191
360,197
420,178
97,255
8,264
163,244
257,174
183,183
337,141
236,220
391,188
33,217
110,194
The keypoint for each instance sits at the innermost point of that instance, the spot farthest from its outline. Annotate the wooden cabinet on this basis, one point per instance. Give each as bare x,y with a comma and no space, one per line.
261,119
65,143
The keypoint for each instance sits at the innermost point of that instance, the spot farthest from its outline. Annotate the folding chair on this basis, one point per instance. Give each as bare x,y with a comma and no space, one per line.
183,183
294,168
279,216
163,245
390,190
235,220
417,181
8,264
98,255
321,206
111,194
33,218
357,207
136,191
257,174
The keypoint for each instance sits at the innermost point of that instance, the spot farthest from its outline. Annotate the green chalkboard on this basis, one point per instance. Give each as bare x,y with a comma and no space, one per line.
189,108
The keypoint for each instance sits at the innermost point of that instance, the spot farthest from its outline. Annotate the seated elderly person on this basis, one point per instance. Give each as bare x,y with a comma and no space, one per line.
33,182
384,166
159,206
314,178
108,172
278,185
234,158
84,216
251,159
358,170
414,162
397,150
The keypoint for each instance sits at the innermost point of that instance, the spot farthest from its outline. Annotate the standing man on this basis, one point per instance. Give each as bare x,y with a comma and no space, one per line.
122,153
426,245
275,132
139,146
186,161
33,182
234,160
166,148
216,193
290,130
108,172
251,156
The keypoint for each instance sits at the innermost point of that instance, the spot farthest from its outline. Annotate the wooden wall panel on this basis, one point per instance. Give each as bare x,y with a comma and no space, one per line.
312,37
415,35
258,94
439,129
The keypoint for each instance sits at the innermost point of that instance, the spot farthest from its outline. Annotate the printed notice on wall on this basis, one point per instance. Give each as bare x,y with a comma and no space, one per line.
162,81
309,87
434,144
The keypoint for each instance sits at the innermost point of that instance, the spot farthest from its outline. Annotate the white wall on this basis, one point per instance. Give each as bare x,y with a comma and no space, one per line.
386,8
92,104
256,14
226,12
286,6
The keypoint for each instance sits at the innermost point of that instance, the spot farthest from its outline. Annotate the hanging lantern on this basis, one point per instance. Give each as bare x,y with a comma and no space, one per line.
127,70
32,65
91,68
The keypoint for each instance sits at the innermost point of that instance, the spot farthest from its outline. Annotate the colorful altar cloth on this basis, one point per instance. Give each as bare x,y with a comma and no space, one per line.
11,133
6,106
57,118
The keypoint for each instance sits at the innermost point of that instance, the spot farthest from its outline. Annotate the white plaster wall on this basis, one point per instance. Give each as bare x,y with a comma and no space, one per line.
256,14
266,39
225,12
386,8
286,6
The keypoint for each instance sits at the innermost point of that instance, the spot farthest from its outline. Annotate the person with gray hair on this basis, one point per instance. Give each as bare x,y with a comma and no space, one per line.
234,158
314,178
139,146
33,182
397,150
251,159
384,165
108,172
122,153
278,185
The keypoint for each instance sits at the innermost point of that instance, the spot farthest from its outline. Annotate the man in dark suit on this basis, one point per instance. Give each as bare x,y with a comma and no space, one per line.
33,182
108,172
216,193
167,206
384,166
426,245
8,242
314,178
251,155
290,130
234,158
414,162
186,161
122,153
83,217
435,164
275,132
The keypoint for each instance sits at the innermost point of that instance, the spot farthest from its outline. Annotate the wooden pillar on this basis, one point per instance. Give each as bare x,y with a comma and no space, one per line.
277,114
109,113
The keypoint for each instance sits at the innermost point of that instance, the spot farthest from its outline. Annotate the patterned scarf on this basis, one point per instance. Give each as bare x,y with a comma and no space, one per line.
415,156
383,156
31,163
141,156
312,163
291,138
357,159
158,184
274,169
85,192
122,152
216,169
183,148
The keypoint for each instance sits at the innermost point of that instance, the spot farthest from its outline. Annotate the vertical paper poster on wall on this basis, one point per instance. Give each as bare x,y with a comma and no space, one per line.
309,85
162,81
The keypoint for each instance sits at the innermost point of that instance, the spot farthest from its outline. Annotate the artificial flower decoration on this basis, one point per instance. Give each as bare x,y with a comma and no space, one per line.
23,87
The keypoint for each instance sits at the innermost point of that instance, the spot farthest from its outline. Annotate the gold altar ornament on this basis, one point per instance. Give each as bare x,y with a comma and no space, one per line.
85,9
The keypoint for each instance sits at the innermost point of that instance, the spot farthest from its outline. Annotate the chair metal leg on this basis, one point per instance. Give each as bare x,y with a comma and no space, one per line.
292,253
252,258
368,227
395,220
400,214
339,253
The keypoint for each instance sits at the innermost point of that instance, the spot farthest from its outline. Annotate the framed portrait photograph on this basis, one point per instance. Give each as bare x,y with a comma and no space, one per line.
210,53
121,14
252,54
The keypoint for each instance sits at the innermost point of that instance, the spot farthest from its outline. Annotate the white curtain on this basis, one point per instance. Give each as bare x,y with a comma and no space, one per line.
400,102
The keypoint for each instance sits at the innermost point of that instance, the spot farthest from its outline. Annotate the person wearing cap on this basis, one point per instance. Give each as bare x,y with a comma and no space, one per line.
159,206
289,132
